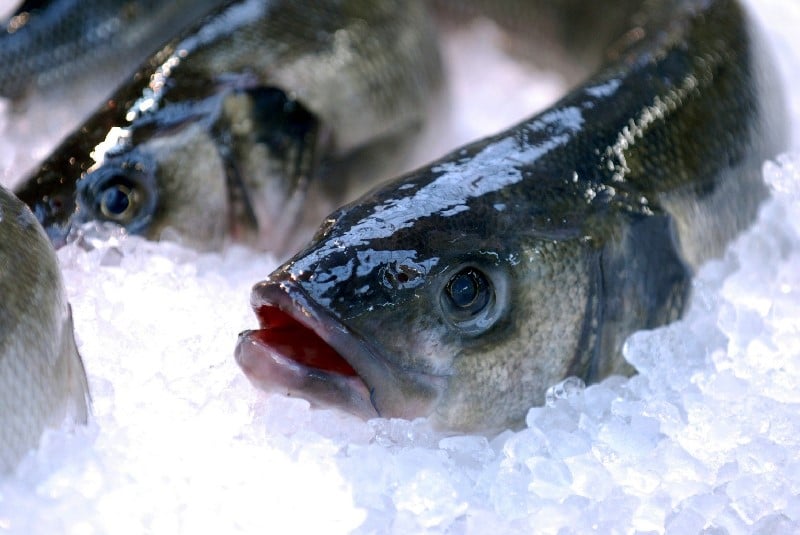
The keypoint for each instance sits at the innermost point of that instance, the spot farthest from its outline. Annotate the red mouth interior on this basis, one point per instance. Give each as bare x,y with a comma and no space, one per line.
290,338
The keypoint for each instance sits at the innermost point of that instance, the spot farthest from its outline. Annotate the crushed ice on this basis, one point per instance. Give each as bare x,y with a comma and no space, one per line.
706,437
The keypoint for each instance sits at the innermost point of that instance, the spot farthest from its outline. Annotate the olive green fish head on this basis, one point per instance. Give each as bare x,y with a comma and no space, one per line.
433,296
197,171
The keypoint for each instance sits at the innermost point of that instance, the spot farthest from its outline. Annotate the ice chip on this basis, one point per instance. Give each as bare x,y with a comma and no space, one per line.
403,433
782,178
634,439
684,521
468,451
728,520
524,445
431,499
774,524
508,491
668,357
97,235
550,479
562,444
561,416
568,388
598,398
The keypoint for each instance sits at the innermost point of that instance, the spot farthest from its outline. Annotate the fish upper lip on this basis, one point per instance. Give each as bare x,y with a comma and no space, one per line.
292,299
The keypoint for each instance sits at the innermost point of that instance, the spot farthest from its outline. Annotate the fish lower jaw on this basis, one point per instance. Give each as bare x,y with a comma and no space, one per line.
270,370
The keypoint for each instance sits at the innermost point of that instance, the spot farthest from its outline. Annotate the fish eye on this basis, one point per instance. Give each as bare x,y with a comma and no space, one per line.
468,290
120,192
468,300
118,200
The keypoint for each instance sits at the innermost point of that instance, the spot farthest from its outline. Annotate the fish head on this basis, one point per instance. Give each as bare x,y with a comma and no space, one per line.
156,172
463,313
165,180
50,195
224,167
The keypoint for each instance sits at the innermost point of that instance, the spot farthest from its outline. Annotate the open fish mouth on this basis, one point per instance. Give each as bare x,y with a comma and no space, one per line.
298,350
302,349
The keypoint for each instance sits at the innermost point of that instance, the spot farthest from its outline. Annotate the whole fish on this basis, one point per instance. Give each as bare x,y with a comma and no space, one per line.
42,380
49,43
463,290
220,133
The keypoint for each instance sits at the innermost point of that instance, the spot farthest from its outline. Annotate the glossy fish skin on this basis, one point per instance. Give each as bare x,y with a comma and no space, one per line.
50,42
463,290
220,133
42,379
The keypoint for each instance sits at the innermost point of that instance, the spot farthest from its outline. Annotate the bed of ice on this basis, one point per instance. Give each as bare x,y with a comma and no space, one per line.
706,437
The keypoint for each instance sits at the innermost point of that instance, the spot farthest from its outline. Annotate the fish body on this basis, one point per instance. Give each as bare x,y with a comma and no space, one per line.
48,43
42,380
463,290
219,134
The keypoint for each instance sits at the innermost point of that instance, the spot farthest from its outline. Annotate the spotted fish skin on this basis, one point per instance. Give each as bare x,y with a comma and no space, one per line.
42,379
463,290
49,43
218,136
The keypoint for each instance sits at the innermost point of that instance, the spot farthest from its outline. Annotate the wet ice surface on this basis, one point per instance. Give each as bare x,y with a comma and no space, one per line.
707,436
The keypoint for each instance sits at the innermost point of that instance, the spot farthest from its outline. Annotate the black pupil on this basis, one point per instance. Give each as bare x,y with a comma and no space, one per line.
116,200
464,289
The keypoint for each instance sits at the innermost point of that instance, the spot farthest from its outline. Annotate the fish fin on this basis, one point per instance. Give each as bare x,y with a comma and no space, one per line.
589,344
284,124
81,398
645,283
287,134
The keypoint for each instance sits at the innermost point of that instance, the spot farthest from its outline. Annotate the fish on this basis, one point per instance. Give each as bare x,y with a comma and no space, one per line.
42,378
51,43
234,130
461,291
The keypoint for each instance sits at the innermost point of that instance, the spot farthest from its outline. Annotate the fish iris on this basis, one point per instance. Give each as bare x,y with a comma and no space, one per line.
116,200
467,290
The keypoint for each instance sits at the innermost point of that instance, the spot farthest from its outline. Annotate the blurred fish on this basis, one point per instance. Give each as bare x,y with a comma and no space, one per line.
42,380
218,136
48,43
463,290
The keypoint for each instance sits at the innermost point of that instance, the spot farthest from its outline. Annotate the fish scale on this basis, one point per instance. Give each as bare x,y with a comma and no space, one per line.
47,42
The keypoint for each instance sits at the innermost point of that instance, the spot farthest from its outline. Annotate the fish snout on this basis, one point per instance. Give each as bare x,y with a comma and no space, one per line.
303,349
296,350
53,209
